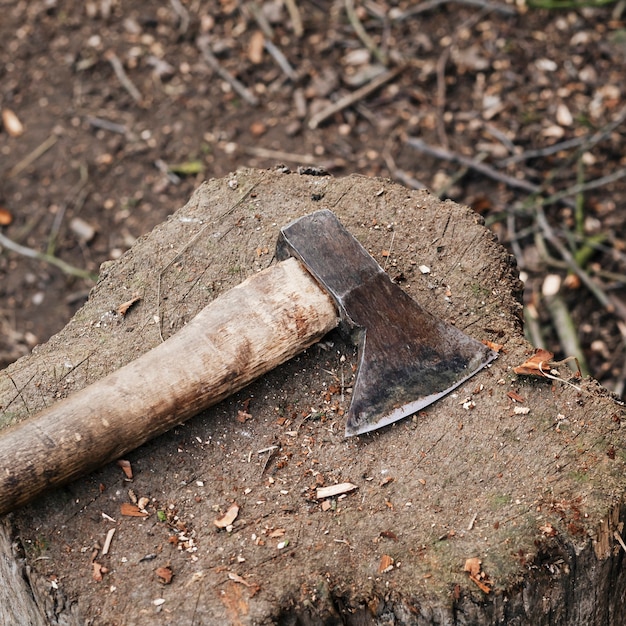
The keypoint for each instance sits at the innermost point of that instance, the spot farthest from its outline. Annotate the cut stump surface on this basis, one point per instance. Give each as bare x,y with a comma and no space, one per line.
501,503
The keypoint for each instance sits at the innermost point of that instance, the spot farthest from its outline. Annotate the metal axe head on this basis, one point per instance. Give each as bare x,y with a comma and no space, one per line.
407,357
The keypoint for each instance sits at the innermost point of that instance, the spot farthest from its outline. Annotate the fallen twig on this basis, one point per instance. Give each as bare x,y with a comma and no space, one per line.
9,244
584,143
559,196
361,33
568,257
441,96
113,127
397,174
183,16
261,20
483,168
429,5
122,76
296,19
42,148
281,155
281,59
562,320
355,96
211,59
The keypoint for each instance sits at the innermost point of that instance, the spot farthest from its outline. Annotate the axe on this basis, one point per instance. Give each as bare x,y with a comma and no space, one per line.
407,359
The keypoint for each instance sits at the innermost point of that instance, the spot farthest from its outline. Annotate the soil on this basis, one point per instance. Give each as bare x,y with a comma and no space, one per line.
123,115
516,479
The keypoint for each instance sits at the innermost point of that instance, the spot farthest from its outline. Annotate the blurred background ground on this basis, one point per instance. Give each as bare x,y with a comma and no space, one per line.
113,112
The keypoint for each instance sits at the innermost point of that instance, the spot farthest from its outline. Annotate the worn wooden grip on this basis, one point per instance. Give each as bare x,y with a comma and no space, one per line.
249,330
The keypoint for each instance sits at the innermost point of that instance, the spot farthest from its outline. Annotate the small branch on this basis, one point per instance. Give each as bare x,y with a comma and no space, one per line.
429,5
441,96
296,19
582,187
562,320
261,20
281,60
355,96
122,76
290,157
42,148
9,244
361,33
532,327
567,256
585,143
397,174
487,170
183,16
213,63
113,127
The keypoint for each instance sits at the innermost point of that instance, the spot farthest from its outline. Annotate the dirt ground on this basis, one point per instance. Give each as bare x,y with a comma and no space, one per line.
113,112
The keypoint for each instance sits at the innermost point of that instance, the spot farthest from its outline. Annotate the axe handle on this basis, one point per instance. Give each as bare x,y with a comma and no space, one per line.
251,329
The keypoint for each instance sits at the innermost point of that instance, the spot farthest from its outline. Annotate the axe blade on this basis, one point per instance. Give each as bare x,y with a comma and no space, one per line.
407,357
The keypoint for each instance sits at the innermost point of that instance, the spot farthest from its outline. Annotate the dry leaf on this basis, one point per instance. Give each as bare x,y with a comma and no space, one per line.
228,518
386,564
472,566
496,347
537,365
126,468
515,396
165,574
477,576
541,364
278,532
132,510
122,309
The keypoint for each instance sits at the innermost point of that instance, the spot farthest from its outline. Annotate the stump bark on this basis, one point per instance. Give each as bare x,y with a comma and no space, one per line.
525,493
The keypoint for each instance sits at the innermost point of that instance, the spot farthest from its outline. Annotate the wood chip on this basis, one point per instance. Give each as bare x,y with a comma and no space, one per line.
132,510
126,468
228,518
255,47
165,574
107,541
335,490
122,309
98,571
386,564
515,396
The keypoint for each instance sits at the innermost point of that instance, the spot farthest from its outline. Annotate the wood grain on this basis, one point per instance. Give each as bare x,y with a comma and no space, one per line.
269,318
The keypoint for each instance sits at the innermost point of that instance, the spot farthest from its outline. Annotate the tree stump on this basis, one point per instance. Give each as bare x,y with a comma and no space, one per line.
517,480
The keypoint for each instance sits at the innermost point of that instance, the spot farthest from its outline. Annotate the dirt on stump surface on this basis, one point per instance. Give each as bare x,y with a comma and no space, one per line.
501,503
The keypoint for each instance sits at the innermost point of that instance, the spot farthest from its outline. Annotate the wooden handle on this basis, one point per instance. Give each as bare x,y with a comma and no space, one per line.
251,329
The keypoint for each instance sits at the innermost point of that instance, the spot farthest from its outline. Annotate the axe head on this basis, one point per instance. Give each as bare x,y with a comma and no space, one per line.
407,357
